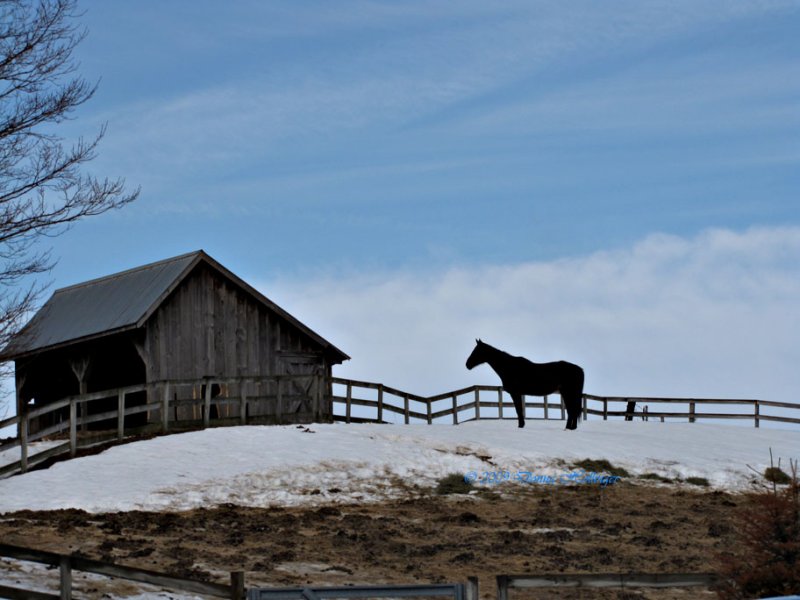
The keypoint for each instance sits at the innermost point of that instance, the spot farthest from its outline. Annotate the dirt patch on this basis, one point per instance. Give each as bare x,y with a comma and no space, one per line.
511,529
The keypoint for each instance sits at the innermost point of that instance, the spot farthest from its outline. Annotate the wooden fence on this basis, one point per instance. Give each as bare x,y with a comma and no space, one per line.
607,580
481,402
166,410
67,564
344,400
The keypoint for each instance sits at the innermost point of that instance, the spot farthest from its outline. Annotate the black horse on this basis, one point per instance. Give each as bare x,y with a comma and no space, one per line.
521,376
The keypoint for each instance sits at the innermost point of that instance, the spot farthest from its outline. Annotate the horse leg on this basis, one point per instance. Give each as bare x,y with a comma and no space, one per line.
573,405
520,407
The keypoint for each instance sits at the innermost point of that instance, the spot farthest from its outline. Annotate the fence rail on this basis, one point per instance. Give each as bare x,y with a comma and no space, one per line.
469,404
615,580
67,564
334,398
457,591
72,416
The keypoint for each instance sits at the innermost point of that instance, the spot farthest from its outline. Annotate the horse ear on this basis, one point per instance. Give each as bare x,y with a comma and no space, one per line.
477,340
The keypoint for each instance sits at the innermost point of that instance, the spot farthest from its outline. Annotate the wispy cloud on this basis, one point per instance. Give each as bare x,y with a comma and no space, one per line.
713,315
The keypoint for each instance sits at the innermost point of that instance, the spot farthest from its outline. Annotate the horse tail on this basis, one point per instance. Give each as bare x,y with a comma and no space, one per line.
572,393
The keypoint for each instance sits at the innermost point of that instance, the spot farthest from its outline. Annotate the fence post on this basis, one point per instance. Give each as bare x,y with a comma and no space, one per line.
207,405
477,405
23,441
472,590
502,587
279,415
405,407
237,585
455,410
585,413
430,412
348,401
561,403
380,403
691,411
500,402
605,409
65,571
73,427
756,412
165,408
546,417
120,414
243,403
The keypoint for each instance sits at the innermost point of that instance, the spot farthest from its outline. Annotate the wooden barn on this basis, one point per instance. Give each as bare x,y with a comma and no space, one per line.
178,325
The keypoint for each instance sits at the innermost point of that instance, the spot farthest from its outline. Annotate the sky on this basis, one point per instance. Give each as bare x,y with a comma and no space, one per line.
615,184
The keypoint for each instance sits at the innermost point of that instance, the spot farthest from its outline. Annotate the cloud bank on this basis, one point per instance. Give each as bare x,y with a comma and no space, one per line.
715,315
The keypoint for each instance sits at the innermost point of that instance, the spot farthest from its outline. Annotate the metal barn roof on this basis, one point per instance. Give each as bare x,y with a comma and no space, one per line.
119,302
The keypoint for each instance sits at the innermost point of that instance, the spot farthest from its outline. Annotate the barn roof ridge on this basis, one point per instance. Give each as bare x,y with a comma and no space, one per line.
122,301
128,272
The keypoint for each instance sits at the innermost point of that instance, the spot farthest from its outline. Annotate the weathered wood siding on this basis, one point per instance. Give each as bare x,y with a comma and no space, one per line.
209,327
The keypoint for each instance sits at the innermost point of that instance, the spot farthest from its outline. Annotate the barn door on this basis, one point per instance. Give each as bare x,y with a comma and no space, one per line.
300,393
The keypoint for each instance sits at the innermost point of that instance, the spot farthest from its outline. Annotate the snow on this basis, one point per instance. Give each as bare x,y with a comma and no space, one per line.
315,464
324,463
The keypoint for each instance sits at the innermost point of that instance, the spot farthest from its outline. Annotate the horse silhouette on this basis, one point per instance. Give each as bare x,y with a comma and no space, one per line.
521,376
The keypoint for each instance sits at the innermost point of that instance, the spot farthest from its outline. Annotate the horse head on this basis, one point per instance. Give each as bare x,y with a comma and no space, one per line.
477,357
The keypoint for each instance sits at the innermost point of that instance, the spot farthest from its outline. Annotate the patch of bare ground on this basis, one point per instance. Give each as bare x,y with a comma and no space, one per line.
510,529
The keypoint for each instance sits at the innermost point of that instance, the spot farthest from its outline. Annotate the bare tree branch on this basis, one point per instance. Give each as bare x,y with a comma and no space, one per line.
43,187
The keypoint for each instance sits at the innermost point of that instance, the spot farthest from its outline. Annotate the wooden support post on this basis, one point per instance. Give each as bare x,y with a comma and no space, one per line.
455,410
757,413
500,402
405,408
546,416
380,403
237,585
585,414
348,402
80,368
73,427
605,409
477,405
165,408
691,411
65,572
120,414
23,441
561,401
430,412
207,405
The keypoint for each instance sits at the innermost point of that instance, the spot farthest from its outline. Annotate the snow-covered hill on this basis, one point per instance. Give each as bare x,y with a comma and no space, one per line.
291,465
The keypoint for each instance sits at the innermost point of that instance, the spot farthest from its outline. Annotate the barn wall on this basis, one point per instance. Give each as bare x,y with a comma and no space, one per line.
209,327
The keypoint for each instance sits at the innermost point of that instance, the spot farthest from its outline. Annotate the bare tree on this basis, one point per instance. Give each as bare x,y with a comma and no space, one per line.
43,188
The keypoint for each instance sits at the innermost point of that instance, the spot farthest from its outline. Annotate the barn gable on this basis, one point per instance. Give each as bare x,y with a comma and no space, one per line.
185,318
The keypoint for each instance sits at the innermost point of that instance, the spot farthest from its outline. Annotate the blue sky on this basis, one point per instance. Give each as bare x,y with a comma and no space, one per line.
354,159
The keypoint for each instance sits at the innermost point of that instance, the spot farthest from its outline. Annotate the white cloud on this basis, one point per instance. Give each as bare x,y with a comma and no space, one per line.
716,315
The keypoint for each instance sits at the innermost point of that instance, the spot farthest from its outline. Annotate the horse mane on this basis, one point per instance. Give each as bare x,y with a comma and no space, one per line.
495,350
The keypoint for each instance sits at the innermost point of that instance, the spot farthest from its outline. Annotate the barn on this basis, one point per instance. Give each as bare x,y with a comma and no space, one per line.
187,321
